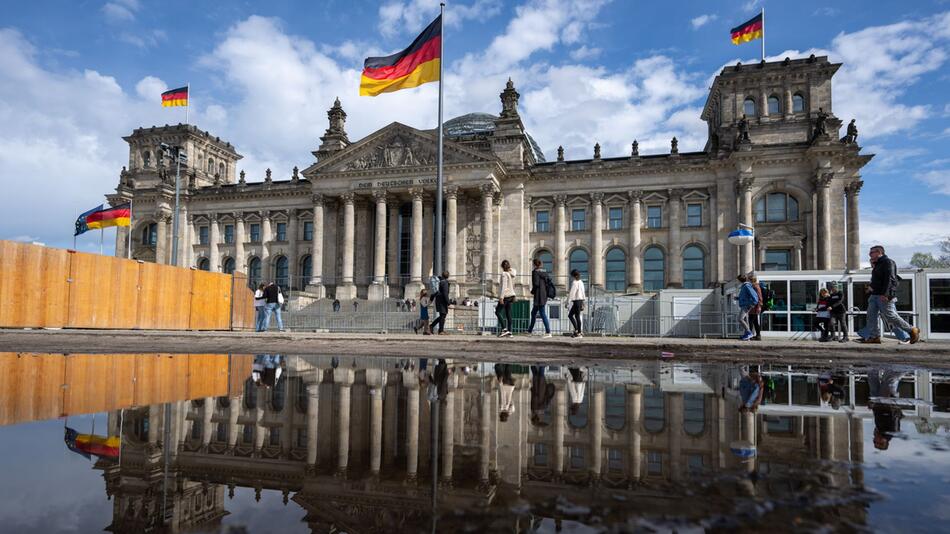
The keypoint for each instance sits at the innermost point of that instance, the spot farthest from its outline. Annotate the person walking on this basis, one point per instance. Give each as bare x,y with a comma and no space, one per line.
747,298
755,316
539,290
259,304
423,314
823,315
839,322
506,390
273,299
507,298
575,300
882,302
442,303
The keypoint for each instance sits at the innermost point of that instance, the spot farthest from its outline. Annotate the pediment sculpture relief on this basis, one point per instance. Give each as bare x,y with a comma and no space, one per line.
396,152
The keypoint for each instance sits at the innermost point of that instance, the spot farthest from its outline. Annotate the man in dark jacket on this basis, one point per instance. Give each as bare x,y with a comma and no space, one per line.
883,302
539,290
442,302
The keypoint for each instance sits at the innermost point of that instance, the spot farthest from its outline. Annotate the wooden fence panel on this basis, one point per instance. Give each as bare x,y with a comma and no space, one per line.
210,301
207,375
103,292
165,297
242,303
31,387
33,286
239,372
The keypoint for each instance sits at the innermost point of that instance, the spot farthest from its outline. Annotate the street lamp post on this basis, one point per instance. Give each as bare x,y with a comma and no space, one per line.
179,155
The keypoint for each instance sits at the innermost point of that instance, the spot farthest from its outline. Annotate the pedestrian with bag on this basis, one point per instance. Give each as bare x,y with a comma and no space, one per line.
507,298
823,315
882,302
838,309
259,305
575,300
274,299
747,299
755,316
423,322
442,303
541,289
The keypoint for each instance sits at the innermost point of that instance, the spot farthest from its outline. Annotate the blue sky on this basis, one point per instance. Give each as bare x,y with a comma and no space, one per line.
76,76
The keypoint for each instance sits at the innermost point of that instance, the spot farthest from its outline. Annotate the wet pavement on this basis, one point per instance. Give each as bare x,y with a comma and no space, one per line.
320,443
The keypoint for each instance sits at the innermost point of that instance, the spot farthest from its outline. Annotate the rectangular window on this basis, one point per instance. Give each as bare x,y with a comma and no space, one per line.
202,235
654,216
274,436
777,260
578,457
229,234
542,221
694,215
281,231
540,454
255,233
654,463
302,438
615,459
615,218
578,220
308,231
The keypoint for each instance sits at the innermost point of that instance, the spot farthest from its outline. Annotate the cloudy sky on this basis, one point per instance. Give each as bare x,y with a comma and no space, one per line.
263,75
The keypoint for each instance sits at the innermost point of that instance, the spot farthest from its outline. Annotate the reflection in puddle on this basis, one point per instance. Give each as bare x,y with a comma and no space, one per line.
350,444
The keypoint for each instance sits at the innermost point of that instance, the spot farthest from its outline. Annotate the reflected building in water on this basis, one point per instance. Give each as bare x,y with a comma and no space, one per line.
349,441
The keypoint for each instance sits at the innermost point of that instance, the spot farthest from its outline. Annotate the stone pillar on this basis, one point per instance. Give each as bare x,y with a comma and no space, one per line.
675,252
122,241
234,410
344,379
797,258
448,436
854,225
560,423
596,425
316,248
560,238
154,422
634,267
826,436
346,289
266,237
378,289
240,260
415,261
597,240
788,102
392,251
161,243
207,411
488,232
376,429
744,187
712,219
634,420
292,267
186,252
313,420
412,424
451,232
214,235
823,185
484,450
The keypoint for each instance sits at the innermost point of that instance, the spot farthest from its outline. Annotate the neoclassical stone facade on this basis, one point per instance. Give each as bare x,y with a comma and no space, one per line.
358,222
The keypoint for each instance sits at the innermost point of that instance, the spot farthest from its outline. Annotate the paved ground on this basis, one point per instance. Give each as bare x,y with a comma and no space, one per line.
522,348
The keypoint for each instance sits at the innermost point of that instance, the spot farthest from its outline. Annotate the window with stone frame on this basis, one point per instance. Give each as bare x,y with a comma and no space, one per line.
614,218
694,267
579,260
776,207
798,103
546,259
616,267
255,232
229,234
654,463
150,234
694,214
308,230
578,220
204,264
654,269
654,216
229,266
775,106
146,158
203,235
542,221
281,231
748,107
777,260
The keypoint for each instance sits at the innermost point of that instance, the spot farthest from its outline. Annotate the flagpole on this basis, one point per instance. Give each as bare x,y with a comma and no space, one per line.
763,33
188,92
439,180
101,231
129,256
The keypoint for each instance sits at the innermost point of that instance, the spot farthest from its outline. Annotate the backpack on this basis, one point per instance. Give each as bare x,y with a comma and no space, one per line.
550,287
769,299
433,285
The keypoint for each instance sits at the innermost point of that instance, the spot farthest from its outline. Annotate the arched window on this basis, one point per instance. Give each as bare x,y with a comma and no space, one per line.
694,413
774,106
210,165
254,272
229,266
694,267
222,169
654,278
615,407
776,207
306,270
281,272
616,269
547,260
150,234
654,409
798,103
147,158
204,264
748,107
224,402
579,259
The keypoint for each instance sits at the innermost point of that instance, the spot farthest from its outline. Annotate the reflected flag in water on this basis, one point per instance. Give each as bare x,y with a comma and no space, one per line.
91,444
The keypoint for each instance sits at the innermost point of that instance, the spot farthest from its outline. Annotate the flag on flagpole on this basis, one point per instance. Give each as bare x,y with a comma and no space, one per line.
414,66
175,97
81,225
91,444
750,30
118,216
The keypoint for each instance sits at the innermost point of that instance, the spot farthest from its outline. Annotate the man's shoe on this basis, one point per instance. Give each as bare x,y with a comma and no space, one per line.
903,342
914,335
580,334
745,337
547,335
872,341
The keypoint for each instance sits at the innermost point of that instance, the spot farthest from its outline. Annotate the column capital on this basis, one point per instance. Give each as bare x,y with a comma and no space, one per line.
527,201
853,188
238,216
823,179
417,193
635,195
213,217
348,198
317,199
674,194
190,217
597,197
560,200
744,183
487,189
451,191
313,390
496,198
380,196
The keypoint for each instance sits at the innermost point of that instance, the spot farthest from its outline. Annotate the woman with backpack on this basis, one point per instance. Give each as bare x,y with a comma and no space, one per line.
259,304
541,289
575,300
838,312
823,314
507,298
755,316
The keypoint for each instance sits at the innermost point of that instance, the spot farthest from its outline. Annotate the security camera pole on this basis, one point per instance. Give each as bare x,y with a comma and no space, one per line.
178,157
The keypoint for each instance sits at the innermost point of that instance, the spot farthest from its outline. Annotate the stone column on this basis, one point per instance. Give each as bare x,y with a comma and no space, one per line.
560,238
207,411
234,410
488,199
675,252
854,225
161,245
344,379
448,436
316,248
346,288
451,232
712,218
122,241
292,267
560,423
154,422
411,383
240,261
797,258
597,240
788,102
744,188
634,267
392,251
214,235
634,418
826,432
378,289
484,450
266,237
376,429
313,420
596,425
186,252
823,185
415,262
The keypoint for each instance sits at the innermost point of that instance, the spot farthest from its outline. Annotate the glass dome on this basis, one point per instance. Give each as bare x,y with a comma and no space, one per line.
472,124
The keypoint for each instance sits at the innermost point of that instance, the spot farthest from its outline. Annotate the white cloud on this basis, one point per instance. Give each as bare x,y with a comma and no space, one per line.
151,88
902,234
937,180
890,159
702,20
825,12
144,39
585,52
411,16
120,10
751,5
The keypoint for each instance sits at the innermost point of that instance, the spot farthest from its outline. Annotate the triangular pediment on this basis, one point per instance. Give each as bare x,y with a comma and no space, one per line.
397,146
781,234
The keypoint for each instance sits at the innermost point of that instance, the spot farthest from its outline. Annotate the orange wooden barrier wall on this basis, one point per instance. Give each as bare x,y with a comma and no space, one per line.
43,287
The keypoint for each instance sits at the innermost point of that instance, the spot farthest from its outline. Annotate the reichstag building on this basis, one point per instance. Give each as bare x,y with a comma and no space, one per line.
357,221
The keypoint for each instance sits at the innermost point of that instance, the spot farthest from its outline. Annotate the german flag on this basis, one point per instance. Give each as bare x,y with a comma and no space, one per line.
412,67
748,31
175,97
104,218
91,444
